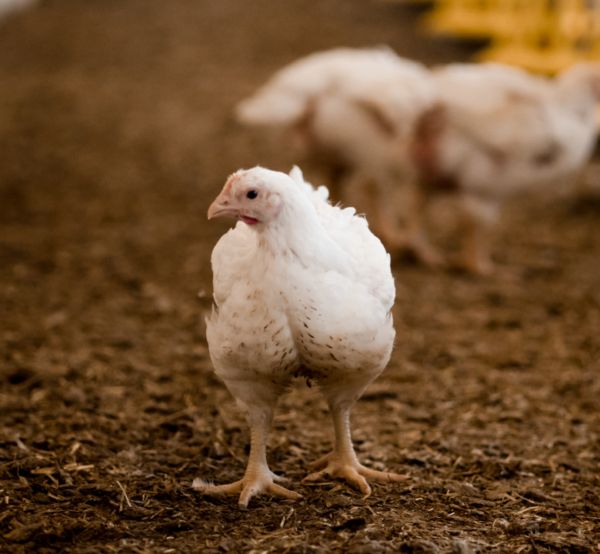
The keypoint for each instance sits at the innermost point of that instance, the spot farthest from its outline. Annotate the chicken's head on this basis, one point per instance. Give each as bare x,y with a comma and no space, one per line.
252,196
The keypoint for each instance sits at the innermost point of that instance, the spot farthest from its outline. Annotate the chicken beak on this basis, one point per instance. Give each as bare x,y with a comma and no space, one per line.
222,207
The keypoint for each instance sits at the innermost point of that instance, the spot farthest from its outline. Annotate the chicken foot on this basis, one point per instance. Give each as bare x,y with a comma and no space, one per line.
342,462
258,479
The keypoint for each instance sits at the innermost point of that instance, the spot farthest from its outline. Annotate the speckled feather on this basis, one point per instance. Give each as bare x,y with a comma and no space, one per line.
312,294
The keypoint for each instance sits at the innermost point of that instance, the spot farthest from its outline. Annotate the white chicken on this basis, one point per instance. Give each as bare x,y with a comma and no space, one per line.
301,288
498,130
8,6
351,111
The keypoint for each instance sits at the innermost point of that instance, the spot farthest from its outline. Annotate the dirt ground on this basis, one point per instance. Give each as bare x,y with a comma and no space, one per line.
115,135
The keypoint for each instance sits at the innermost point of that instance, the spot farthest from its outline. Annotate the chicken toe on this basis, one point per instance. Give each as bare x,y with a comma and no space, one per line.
342,462
352,471
258,479
256,486
249,487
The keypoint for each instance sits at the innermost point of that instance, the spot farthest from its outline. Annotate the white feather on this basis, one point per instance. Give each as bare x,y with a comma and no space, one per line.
508,130
317,286
357,73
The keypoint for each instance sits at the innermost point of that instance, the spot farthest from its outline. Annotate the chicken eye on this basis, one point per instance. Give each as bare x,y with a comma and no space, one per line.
252,194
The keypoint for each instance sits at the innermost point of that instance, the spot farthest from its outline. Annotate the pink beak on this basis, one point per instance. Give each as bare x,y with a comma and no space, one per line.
222,207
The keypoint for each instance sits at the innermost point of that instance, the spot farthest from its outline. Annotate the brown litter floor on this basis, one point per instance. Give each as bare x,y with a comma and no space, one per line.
115,134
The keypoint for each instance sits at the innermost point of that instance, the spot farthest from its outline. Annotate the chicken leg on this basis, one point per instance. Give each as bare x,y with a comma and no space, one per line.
258,479
381,207
415,241
342,462
476,218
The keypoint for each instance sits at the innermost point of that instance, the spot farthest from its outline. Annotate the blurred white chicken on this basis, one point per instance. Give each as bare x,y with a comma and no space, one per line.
8,6
351,111
498,130
301,288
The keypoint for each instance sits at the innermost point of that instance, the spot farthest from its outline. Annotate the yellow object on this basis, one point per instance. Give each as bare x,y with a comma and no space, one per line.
473,18
544,36
548,36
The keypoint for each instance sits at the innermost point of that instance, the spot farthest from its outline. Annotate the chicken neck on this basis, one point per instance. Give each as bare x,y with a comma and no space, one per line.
299,236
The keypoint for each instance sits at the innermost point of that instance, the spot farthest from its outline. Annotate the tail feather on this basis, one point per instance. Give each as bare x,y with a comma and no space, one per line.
270,108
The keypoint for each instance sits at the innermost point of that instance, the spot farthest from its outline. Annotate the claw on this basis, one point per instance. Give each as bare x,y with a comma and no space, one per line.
248,488
316,476
277,490
382,476
351,471
355,479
